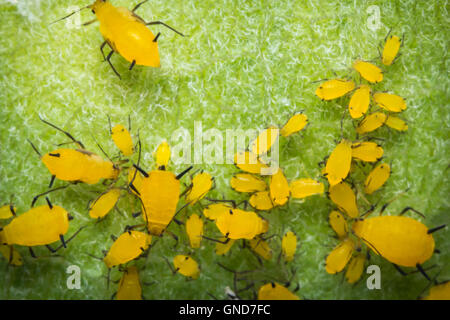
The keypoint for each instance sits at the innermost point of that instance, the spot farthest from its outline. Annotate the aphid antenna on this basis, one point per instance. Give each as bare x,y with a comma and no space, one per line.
47,192
34,148
65,132
71,14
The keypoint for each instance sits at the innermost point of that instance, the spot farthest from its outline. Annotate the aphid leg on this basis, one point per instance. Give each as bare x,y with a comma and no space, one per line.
430,231
400,270
138,5
65,132
65,242
50,248
178,222
211,295
32,253
101,49
47,192
113,237
89,22
132,65
49,203
108,58
165,25
35,149
216,240
11,208
136,214
51,181
173,235
422,271
170,266
412,209
157,36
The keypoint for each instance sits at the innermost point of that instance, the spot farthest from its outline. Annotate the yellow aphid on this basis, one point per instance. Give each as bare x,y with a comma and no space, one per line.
249,162
244,182
390,50
265,141
128,246
439,292
335,88
11,255
261,248
355,268
359,103
39,226
338,224
289,246
224,246
135,177
129,285
390,102
240,224
275,291
367,151
103,204
368,71
339,257
162,155
261,200
377,177
279,188
78,165
7,211
122,139
401,240
371,122
344,197
194,229
213,211
201,184
296,123
305,187
186,266
396,123
339,162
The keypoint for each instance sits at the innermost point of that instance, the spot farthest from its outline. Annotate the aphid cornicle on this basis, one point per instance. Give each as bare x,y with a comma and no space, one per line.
275,291
333,89
130,245
401,240
129,286
126,33
339,162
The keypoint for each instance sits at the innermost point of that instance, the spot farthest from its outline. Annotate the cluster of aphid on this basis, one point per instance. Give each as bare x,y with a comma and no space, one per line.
403,241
